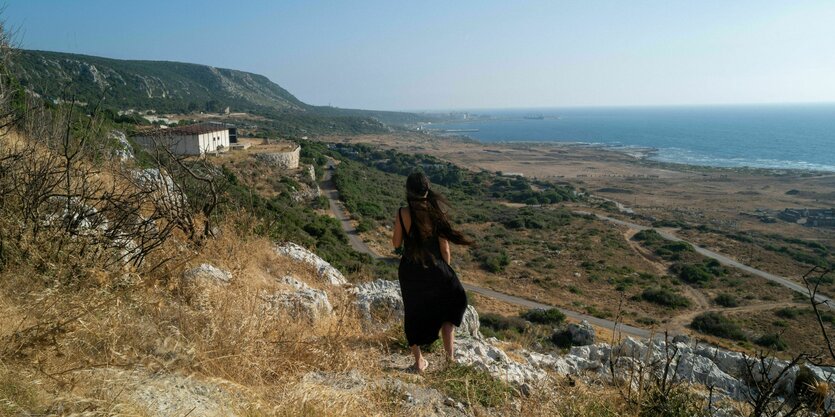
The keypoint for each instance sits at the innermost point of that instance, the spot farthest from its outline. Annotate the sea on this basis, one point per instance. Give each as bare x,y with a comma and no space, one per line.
797,136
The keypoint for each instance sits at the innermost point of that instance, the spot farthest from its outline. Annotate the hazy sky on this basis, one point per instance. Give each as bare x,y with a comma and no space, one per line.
469,54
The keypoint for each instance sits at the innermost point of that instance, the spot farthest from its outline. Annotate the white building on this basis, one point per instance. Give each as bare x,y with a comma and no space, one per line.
187,140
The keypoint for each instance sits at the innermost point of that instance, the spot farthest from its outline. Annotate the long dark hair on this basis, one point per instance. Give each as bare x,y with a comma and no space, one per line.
428,218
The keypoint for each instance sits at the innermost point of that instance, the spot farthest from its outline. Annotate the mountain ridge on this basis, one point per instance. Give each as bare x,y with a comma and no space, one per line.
167,86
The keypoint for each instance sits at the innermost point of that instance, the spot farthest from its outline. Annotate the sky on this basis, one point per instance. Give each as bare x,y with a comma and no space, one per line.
422,55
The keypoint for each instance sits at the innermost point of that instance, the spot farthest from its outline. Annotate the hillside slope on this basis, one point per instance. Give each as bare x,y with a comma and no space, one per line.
167,86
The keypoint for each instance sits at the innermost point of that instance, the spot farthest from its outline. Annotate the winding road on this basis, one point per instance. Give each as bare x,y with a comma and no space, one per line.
329,190
722,259
619,329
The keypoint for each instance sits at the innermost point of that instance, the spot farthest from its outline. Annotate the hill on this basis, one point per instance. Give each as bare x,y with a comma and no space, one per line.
168,87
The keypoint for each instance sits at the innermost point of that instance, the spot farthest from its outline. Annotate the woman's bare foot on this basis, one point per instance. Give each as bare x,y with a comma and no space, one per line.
419,368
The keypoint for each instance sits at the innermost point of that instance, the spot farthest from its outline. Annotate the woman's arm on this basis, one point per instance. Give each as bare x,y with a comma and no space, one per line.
397,235
444,244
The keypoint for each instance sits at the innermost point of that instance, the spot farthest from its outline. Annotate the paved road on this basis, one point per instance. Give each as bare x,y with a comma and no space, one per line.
330,191
724,260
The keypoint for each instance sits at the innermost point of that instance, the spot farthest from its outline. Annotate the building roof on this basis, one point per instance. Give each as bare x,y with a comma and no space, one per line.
196,129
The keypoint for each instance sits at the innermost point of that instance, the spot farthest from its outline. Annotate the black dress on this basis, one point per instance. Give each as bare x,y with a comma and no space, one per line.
432,293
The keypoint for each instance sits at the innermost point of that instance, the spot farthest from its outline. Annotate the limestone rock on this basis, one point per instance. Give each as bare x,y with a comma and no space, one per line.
581,334
574,335
161,394
325,271
303,302
469,325
122,149
485,355
161,186
208,273
379,301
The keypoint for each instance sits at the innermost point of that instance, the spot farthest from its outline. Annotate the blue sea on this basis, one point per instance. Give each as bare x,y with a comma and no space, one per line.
759,136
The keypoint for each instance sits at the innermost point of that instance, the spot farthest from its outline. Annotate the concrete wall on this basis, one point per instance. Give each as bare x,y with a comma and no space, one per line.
286,160
188,144
214,141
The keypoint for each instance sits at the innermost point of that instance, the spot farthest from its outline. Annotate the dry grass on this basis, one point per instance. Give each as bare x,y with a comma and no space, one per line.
155,323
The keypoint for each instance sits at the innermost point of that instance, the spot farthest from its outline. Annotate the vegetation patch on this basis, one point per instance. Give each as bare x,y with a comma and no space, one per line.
771,341
502,327
471,386
718,325
665,297
551,316
726,300
698,273
788,313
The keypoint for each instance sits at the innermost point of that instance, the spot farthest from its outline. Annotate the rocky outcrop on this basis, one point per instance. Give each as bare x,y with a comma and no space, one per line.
379,302
469,325
414,400
122,149
574,334
301,301
324,270
163,394
207,273
161,187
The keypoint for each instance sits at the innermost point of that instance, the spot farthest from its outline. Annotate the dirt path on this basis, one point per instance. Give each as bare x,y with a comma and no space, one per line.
701,302
724,260
681,321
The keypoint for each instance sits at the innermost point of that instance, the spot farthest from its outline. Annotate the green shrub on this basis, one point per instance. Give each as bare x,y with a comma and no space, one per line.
496,325
665,297
470,385
716,324
692,273
541,316
677,401
771,341
726,300
787,313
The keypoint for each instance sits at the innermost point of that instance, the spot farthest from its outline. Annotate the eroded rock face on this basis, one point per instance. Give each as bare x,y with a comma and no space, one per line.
208,273
122,148
581,334
379,301
161,186
484,354
161,394
469,325
302,302
325,271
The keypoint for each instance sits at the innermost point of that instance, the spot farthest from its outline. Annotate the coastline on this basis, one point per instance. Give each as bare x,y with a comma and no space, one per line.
724,197
650,155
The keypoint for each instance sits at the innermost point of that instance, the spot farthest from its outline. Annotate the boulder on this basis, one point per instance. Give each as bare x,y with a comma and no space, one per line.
484,354
325,271
122,149
161,186
302,302
158,394
598,353
379,301
697,369
207,273
581,334
469,325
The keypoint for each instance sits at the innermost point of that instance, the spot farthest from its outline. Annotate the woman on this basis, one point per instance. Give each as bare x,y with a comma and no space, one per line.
433,297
